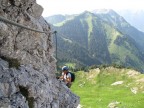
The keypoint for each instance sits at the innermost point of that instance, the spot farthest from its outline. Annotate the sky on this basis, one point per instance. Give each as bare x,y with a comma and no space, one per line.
53,7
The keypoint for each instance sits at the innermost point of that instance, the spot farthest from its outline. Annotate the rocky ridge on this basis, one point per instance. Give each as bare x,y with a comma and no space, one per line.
27,65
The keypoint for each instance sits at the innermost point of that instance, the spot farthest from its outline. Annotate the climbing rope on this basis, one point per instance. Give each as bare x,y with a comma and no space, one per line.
19,25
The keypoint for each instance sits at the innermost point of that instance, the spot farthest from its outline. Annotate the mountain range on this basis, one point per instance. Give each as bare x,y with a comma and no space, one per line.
98,37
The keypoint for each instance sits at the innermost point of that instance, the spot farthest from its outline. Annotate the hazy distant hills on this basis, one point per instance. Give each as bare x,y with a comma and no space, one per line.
101,37
55,19
134,17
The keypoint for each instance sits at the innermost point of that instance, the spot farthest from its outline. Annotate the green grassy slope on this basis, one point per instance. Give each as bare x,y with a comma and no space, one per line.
122,48
95,89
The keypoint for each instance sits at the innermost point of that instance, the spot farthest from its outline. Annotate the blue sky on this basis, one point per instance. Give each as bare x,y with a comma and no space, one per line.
52,7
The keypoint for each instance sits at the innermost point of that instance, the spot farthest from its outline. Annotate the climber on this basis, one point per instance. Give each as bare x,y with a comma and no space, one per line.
67,76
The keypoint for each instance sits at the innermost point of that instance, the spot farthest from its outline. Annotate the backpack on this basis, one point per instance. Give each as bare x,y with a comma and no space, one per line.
72,76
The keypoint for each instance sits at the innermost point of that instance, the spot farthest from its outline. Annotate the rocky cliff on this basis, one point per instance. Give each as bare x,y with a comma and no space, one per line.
27,65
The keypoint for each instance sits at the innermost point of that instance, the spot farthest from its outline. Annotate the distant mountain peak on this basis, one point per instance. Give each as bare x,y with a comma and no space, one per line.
86,13
103,11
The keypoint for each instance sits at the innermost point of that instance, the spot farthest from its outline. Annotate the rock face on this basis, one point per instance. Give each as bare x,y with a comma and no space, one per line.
27,65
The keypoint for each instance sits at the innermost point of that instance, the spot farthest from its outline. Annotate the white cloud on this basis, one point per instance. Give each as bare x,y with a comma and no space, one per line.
52,7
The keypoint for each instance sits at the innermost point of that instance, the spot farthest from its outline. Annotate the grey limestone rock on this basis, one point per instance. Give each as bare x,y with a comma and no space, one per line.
27,65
